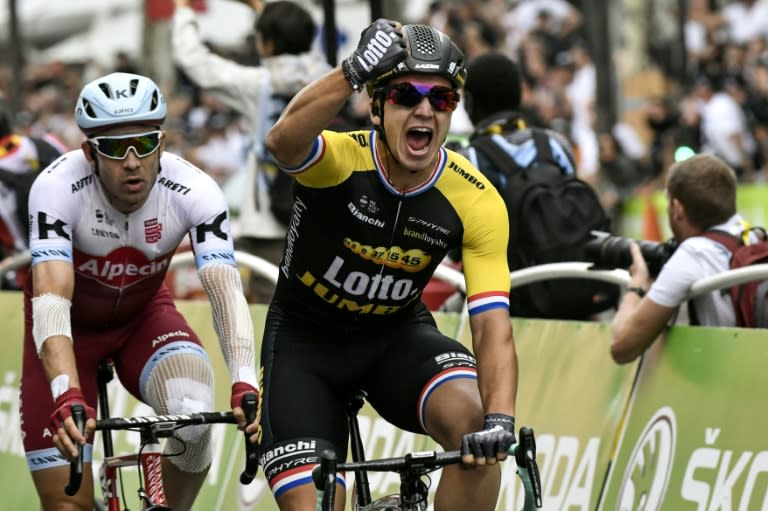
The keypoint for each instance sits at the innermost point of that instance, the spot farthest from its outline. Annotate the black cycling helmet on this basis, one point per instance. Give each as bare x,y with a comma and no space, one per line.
430,52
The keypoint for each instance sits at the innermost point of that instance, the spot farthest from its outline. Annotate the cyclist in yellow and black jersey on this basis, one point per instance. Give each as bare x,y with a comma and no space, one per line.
374,214
359,247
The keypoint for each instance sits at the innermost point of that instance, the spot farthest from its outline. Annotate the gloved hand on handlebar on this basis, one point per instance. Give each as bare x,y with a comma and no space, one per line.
63,407
490,444
381,47
70,436
240,389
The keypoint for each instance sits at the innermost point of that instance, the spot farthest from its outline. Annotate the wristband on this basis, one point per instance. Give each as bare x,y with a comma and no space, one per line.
499,419
639,291
351,76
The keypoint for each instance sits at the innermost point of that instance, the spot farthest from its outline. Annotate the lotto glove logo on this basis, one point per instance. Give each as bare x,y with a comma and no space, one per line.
375,50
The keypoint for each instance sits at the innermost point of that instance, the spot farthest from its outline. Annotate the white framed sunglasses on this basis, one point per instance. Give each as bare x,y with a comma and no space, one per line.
117,147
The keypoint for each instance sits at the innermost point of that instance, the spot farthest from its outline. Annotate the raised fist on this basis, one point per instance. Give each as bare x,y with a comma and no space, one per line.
381,48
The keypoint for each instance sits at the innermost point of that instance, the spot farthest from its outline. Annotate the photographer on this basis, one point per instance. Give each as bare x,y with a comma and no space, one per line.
701,194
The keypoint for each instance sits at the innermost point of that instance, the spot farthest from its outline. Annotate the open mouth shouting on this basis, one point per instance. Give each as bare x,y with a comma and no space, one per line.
418,140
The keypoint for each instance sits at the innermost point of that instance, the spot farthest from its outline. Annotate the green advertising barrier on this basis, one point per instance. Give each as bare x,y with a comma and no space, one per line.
685,437
695,432
751,201
573,395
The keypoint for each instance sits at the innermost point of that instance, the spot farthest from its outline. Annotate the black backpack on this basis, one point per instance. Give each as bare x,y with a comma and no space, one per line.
551,215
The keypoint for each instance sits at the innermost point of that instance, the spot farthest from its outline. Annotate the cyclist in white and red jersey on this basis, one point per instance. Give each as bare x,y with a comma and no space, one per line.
374,213
105,222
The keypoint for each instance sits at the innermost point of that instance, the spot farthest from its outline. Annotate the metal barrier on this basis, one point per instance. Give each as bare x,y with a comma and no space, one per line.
728,279
580,270
456,278
254,263
15,262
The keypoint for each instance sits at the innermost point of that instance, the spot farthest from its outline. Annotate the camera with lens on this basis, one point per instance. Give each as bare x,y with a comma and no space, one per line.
605,250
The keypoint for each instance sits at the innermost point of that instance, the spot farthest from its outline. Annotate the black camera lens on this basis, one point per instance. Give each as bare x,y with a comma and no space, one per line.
608,251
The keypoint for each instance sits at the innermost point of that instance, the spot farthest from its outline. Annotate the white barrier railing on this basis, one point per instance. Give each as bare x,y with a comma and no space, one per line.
729,278
254,263
456,278
580,270
15,262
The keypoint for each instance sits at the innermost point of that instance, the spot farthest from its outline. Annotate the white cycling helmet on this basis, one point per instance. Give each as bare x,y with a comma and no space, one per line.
117,99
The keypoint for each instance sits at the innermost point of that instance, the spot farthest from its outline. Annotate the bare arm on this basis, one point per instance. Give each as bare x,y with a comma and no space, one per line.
311,110
638,321
494,346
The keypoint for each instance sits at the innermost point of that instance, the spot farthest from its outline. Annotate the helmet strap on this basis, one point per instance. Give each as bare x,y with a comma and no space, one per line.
95,157
382,132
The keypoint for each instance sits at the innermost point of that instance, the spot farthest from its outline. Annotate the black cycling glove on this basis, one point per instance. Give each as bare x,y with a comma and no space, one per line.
380,49
497,436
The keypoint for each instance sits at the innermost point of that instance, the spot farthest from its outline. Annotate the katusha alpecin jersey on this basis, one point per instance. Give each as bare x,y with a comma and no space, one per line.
120,260
358,247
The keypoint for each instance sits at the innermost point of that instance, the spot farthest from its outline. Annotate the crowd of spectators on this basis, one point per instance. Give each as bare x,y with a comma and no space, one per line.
719,106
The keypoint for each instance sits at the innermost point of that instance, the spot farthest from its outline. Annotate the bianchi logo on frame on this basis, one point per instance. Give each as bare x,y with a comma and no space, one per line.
645,481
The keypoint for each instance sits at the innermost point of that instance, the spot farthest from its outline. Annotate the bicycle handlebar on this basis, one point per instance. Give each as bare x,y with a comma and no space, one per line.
250,405
324,475
159,423
76,471
525,457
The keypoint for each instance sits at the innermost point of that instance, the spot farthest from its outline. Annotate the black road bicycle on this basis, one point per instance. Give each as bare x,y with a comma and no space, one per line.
413,469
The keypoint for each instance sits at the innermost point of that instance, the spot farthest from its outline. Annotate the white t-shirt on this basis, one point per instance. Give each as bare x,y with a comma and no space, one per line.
694,259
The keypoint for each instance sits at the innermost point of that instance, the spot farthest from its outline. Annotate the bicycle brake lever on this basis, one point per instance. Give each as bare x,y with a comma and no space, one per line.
250,407
76,465
525,456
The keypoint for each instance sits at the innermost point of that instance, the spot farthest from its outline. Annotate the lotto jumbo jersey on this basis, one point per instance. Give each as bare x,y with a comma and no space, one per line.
120,260
358,247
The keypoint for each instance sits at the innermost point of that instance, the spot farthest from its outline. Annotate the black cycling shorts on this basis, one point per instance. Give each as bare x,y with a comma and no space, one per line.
310,374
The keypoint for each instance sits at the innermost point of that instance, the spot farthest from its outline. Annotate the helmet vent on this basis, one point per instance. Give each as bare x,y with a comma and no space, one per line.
105,88
424,41
88,108
134,85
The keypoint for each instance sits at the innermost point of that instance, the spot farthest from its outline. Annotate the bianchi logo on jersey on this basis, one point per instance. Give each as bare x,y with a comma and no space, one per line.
120,268
645,481
376,222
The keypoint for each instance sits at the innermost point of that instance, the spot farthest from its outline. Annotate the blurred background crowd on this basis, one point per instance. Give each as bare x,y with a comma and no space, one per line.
633,84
